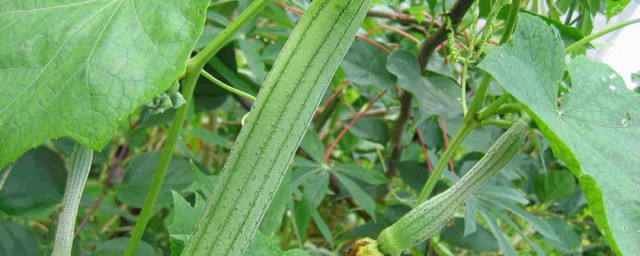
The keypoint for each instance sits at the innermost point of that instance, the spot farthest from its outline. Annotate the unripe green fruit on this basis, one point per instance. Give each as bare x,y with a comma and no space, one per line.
427,219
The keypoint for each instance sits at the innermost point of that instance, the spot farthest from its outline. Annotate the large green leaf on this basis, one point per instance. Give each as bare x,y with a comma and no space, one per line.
76,68
436,95
34,183
595,130
315,188
17,239
261,245
118,245
481,240
364,64
185,218
554,185
139,175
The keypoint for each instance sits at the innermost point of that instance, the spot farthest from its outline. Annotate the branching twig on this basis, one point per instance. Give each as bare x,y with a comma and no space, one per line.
346,129
431,43
398,131
424,149
446,142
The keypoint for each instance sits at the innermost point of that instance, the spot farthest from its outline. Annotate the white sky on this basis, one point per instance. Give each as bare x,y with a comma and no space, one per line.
623,55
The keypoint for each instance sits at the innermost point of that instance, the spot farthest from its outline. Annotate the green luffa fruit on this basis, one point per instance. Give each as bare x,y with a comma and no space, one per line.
275,126
427,219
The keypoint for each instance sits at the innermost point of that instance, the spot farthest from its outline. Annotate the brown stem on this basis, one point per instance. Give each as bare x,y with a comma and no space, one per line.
401,18
346,129
210,149
424,149
446,142
455,15
398,130
327,111
431,43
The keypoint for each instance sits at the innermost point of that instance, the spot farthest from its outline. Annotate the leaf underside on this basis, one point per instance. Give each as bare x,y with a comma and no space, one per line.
76,68
594,129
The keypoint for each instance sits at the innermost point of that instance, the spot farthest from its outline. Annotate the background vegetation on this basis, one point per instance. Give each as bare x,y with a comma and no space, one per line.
370,149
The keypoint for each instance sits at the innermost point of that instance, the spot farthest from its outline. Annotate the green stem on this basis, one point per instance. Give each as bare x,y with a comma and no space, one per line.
470,122
493,107
455,142
226,86
79,167
511,21
600,33
194,66
463,86
221,40
498,122
501,109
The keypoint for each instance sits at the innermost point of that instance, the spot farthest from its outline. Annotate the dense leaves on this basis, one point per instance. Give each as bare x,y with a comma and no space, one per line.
82,70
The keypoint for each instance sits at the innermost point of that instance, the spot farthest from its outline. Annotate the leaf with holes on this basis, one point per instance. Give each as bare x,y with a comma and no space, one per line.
77,68
594,129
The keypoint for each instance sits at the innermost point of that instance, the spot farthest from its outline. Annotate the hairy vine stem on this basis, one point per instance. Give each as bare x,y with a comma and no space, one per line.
194,66
79,167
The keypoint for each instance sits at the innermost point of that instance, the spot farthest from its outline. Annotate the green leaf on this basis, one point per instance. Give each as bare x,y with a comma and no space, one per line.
184,221
208,96
536,222
569,239
470,216
315,188
91,65
374,129
362,198
595,131
312,145
436,95
372,177
481,240
615,7
503,192
414,174
365,64
35,182
272,221
139,175
117,246
211,138
503,243
324,229
251,49
204,183
261,246
554,185
479,140
504,217
18,239
569,34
